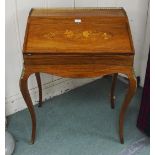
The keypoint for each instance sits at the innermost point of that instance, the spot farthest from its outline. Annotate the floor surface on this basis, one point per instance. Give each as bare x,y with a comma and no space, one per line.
81,122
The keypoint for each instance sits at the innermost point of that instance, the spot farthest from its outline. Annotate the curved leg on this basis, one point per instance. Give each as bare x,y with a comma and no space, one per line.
39,87
25,92
112,96
128,97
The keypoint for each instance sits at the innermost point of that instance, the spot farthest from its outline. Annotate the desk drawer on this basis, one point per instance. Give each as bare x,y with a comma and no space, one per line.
46,59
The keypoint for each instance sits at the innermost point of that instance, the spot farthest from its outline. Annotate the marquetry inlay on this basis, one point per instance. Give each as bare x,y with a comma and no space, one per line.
88,34
69,33
106,35
49,35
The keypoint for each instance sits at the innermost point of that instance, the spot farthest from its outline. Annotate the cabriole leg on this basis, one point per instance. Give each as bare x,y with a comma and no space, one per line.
39,87
25,92
128,97
112,97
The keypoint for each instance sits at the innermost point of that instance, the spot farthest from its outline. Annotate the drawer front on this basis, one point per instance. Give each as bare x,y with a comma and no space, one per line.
78,60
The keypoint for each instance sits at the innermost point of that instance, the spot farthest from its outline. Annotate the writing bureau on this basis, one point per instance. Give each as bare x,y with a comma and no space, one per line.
78,43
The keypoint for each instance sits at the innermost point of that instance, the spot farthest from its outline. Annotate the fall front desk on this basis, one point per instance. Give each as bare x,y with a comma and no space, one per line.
78,43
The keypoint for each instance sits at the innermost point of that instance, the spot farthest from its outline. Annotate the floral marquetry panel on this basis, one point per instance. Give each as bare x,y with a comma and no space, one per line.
76,35
79,31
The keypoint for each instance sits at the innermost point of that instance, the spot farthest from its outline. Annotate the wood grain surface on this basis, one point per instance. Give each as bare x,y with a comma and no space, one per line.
78,31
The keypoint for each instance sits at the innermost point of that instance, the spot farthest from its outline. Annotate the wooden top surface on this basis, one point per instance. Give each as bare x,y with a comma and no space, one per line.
73,31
